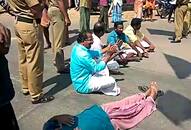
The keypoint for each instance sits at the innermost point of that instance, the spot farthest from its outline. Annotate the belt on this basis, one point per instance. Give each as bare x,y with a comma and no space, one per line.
27,20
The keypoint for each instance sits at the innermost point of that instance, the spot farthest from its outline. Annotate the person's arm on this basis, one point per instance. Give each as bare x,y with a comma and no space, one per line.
63,9
35,7
90,64
5,39
147,40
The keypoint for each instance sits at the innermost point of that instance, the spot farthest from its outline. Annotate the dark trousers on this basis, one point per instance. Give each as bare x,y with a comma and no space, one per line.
172,8
8,120
84,19
104,16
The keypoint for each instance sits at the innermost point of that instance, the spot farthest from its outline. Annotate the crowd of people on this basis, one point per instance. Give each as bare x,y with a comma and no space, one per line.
91,60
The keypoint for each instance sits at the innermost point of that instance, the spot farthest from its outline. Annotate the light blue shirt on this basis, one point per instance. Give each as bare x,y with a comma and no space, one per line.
93,118
113,37
83,66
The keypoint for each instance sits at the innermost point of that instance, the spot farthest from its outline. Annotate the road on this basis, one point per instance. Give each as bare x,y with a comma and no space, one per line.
170,66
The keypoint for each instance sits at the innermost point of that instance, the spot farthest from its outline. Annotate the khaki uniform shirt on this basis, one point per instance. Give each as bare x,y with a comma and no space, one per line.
22,7
129,31
54,3
85,3
182,2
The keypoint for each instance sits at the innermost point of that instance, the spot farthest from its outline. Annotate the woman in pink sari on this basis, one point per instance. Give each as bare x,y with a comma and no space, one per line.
119,115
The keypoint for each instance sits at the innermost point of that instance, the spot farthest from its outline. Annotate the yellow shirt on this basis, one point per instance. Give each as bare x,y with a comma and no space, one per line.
22,7
85,3
129,31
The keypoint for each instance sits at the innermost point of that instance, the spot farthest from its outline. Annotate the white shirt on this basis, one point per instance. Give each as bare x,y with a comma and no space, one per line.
97,43
120,2
173,2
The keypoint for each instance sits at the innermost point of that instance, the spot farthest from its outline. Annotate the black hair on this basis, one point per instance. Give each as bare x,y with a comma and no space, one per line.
118,23
136,22
82,36
99,27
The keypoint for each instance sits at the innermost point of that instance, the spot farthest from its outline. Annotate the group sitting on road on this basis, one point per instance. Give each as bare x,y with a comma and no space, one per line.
91,63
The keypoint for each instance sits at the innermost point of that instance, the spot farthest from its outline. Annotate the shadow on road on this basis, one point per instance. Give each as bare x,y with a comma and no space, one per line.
160,32
62,81
175,107
181,67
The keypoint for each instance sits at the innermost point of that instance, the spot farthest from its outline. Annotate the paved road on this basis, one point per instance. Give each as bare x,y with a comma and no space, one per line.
170,66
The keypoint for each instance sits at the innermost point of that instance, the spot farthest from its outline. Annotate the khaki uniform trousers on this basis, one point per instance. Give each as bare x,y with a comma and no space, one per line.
187,21
58,31
104,16
31,56
84,19
180,13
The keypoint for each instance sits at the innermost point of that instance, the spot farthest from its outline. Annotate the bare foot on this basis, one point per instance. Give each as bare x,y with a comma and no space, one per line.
154,89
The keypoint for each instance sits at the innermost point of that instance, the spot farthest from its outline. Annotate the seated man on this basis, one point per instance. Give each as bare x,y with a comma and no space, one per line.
138,38
117,37
118,115
84,69
112,65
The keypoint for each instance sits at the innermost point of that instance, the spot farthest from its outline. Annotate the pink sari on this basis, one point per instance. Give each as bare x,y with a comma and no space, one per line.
128,112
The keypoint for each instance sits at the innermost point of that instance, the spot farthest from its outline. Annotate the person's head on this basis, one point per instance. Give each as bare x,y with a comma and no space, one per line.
118,26
85,39
136,23
99,29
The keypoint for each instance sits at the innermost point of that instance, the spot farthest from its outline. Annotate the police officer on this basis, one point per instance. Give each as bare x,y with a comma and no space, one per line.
59,19
30,45
180,13
187,21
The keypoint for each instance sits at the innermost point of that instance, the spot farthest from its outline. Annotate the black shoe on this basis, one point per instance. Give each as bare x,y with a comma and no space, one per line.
26,93
42,99
176,41
172,38
184,36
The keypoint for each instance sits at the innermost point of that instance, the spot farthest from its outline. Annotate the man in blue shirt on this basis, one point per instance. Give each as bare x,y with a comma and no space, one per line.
130,52
84,68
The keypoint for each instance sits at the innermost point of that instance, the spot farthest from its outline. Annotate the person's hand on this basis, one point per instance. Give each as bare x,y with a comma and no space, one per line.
67,22
66,119
113,48
5,39
119,43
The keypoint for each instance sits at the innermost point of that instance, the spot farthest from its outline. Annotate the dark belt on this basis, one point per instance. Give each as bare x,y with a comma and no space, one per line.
27,20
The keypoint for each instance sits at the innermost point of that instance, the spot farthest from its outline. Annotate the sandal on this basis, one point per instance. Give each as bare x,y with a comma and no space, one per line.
42,99
151,50
143,88
159,93
146,55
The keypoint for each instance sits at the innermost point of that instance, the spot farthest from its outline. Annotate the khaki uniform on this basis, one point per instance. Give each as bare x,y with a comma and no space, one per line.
187,20
30,45
180,13
58,31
